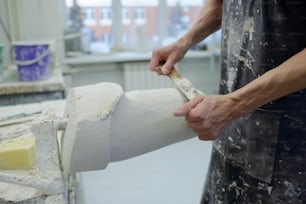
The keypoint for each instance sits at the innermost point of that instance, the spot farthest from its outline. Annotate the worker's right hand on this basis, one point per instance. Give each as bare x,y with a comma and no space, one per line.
208,116
163,59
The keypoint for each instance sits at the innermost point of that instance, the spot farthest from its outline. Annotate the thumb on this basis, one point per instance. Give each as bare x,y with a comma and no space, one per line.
187,107
166,68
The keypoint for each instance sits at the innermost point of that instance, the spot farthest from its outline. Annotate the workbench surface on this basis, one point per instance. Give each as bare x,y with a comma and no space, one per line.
16,121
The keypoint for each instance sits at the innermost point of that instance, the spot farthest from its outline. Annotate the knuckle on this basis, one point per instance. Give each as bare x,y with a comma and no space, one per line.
195,115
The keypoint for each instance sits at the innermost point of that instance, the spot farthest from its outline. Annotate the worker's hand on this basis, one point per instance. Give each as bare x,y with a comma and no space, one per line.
208,116
163,59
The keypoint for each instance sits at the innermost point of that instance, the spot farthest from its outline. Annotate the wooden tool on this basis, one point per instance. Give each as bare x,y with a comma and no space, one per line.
184,86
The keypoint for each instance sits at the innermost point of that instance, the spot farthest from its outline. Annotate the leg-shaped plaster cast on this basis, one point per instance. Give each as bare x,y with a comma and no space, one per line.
106,125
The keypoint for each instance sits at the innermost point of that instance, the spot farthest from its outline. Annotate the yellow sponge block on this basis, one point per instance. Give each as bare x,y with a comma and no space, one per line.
18,153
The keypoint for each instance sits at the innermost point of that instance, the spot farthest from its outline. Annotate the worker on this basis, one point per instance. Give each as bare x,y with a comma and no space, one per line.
258,121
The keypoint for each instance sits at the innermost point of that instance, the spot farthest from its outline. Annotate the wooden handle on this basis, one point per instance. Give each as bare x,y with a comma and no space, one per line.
174,74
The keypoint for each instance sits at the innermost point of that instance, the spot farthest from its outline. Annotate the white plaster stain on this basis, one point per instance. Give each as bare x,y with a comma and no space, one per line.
265,44
269,190
236,146
248,60
249,27
218,147
246,185
235,187
234,51
233,184
231,77
292,190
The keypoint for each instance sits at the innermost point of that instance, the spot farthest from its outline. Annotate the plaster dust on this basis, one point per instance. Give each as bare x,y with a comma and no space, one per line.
186,88
16,193
105,124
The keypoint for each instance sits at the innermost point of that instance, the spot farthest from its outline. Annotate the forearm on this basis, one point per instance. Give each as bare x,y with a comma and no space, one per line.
287,78
208,21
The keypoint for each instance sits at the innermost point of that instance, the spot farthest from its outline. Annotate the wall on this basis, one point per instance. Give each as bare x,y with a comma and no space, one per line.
3,31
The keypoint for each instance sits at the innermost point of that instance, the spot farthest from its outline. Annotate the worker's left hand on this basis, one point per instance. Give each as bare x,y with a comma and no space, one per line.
208,116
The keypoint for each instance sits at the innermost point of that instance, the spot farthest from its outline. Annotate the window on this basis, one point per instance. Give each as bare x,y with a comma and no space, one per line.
125,38
106,38
126,15
89,16
155,22
106,16
140,17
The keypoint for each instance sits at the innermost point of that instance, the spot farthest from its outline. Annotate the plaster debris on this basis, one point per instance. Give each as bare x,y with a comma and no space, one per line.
16,193
55,199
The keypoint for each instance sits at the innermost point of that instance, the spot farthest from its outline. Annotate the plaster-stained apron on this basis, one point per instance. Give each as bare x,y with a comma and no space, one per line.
260,158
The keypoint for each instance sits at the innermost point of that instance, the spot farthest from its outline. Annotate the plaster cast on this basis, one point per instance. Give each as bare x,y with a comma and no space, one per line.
105,124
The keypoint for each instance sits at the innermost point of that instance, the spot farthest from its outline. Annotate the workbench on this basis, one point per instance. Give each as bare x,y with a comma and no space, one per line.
17,120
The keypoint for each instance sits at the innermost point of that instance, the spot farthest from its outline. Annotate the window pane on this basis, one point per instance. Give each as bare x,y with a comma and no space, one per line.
126,18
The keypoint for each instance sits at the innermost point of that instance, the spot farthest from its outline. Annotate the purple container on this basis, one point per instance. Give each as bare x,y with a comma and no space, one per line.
33,61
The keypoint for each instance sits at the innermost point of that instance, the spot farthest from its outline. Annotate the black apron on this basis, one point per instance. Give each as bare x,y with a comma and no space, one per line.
261,157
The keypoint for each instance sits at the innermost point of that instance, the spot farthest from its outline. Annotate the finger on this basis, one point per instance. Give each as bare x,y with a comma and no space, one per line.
187,107
155,62
198,113
211,134
167,67
199,126
194,116
206,137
